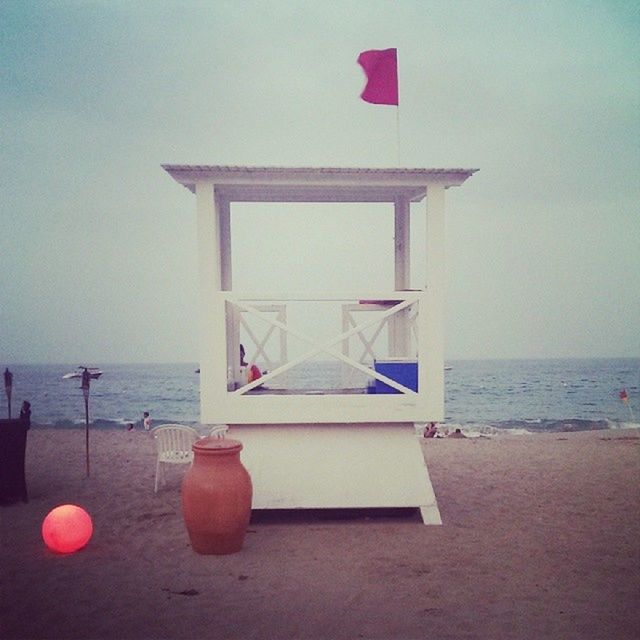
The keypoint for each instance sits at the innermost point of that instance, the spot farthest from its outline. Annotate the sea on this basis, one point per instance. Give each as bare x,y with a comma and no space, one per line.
481,396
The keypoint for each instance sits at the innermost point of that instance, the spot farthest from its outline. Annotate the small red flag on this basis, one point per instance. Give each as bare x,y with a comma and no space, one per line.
381,68
623,396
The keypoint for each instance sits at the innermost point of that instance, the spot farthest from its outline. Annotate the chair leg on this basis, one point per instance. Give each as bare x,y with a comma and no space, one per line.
155,489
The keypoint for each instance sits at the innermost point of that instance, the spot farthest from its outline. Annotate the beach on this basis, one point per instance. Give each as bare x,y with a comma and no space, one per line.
540,539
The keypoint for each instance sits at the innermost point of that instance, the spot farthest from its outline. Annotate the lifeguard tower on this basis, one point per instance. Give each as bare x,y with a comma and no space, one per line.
352,443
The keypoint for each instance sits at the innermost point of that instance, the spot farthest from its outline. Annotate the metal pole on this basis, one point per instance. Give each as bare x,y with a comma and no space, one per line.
86,383
86,428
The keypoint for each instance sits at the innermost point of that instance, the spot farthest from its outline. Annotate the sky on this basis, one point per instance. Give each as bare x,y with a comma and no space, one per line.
98,244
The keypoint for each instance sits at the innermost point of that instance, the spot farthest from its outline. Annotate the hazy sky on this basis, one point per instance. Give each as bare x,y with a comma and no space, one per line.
97,242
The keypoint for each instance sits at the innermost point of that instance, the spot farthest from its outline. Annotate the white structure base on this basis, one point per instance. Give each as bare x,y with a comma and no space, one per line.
316,466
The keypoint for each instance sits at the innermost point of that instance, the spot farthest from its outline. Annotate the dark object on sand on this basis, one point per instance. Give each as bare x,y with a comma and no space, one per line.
13,445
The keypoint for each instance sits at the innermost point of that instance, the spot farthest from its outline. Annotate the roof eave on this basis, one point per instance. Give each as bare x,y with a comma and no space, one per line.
282,184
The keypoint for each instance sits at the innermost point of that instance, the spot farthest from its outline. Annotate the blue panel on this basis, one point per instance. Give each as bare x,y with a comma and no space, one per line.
403,371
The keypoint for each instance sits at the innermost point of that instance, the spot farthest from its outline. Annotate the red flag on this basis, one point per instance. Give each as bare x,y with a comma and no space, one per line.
623,396
381,68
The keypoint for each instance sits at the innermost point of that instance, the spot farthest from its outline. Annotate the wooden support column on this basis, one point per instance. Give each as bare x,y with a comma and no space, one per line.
431,348
213,347
399,332
224,214
232,316
402,234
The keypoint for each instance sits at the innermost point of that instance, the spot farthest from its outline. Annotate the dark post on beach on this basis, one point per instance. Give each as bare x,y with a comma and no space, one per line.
86,383
8,383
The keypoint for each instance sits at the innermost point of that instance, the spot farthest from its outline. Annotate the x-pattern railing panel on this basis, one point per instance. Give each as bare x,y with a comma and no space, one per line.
326,346
261,344
368,344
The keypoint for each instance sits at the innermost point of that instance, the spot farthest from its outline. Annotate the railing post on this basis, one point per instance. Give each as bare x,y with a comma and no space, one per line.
284,352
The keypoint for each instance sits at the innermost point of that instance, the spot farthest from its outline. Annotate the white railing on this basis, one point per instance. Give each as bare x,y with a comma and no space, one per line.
401,330
259,341
395,313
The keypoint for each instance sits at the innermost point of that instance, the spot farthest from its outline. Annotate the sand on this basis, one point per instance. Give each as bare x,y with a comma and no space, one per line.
541,539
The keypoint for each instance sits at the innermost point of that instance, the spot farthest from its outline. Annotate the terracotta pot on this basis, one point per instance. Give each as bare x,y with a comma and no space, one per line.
216,497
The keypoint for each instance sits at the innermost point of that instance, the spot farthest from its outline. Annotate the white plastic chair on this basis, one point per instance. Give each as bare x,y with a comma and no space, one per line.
173,445
219,431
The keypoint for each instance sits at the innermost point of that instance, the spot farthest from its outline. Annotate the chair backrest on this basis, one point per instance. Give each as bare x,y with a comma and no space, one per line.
173,442
219,430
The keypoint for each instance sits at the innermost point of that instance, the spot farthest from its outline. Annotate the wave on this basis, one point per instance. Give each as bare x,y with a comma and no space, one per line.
524,427
106,424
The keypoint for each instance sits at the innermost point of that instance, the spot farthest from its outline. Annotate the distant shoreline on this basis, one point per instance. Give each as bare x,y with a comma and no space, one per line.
572,425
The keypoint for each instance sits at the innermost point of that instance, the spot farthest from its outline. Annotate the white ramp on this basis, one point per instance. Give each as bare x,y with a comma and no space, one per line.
315,466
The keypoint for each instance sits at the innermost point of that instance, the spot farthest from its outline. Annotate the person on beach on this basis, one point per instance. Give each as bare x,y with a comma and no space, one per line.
146,421
243,362
25,413
431,431
457,434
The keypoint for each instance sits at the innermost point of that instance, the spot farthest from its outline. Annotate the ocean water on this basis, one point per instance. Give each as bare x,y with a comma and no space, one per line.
482,396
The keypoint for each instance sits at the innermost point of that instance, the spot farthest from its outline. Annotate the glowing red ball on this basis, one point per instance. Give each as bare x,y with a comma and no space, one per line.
67,528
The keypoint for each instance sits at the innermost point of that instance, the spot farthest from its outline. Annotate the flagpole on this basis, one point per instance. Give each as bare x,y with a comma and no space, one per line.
633,418
624,396
398,109
398,134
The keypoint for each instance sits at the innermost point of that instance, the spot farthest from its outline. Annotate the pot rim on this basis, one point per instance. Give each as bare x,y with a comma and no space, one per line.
210,445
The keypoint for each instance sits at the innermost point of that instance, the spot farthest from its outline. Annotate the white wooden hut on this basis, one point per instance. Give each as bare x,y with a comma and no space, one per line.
344,446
